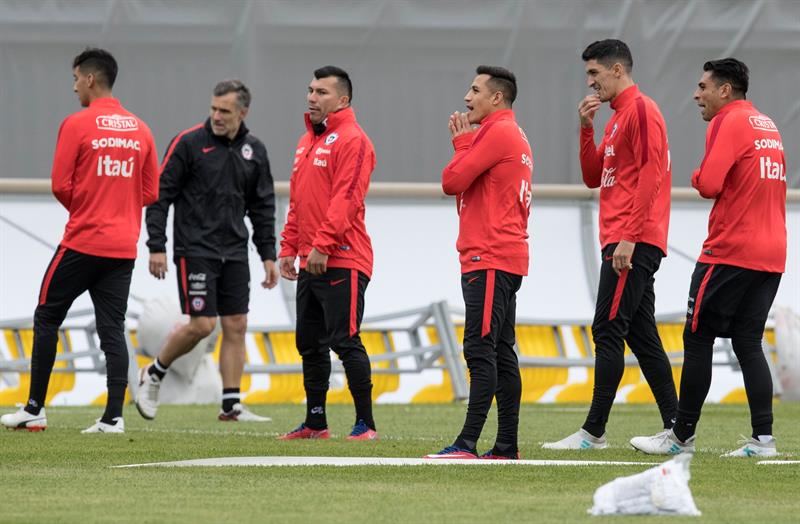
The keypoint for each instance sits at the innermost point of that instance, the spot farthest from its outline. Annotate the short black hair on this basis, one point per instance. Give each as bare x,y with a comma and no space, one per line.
342,79
608,52
233,85
500,79
97,61
730,71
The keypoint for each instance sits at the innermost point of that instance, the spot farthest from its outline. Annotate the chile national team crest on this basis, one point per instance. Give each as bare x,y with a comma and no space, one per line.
247,152
198,304
330,139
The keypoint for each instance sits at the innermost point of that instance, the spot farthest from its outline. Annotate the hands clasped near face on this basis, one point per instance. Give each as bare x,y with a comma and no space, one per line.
459,124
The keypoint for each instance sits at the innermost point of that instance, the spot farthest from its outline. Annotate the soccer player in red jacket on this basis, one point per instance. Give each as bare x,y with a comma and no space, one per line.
490,175
104,172
325,229
742,259
632,169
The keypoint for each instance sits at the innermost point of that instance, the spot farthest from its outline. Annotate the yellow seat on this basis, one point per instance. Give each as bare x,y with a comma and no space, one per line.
443,392
20,344
672,340
283,387
376,343
582,392
539,341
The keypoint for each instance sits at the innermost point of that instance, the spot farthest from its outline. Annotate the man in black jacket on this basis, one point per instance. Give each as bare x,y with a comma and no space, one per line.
214,173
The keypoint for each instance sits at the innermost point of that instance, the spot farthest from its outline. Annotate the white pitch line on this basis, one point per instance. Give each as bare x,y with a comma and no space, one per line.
374,461
778,462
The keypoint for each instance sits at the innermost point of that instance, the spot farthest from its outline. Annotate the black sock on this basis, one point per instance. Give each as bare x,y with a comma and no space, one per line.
363,404
315,410
230,396
505,449
158,369
594,430
33,407
465,444
116,397
683,430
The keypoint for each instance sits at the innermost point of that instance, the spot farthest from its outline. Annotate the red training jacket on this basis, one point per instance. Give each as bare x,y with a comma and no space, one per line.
490,174
330,179
104,171
633,171
744,170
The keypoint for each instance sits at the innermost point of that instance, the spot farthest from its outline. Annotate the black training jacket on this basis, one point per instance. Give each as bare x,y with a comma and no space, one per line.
213,182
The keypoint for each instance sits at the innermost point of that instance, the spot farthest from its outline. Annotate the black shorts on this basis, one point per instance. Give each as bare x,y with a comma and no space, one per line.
726,301
209,287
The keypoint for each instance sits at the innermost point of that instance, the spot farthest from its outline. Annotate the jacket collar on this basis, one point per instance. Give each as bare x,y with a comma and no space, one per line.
502,114
243,131
105,102
333,120
736,104
628,95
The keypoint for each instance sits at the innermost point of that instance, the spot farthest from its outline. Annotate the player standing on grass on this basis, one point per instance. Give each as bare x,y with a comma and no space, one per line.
104,171
214,173
632,169
742,260
325,229
490,175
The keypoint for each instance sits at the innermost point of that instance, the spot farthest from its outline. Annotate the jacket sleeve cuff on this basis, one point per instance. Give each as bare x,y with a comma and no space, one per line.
267,252
463,141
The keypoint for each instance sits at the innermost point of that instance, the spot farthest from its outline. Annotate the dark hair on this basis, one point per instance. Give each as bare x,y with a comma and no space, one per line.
233,85
608,52
345,86
730,71
500,79
97,61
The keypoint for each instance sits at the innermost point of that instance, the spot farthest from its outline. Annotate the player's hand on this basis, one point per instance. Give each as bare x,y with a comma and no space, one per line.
158,265
286,265
316,263
270,274
622,256
459,124
587,109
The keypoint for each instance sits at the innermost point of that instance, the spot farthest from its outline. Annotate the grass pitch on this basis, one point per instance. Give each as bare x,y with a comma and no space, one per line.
63,476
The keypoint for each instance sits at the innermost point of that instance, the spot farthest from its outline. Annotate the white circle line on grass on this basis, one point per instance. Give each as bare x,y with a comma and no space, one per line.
777,462
373,461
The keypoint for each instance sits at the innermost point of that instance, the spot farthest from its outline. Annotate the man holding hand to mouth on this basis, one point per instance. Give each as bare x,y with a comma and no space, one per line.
632,169
490,175
325,229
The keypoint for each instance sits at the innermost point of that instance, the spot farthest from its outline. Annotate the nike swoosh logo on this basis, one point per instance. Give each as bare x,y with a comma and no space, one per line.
473,279
209,149
337,282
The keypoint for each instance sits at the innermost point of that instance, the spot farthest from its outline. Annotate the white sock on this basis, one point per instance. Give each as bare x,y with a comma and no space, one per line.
765,438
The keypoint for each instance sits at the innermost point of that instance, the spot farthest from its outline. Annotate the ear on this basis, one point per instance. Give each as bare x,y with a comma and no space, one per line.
498,98
344,101
244,112
725,90
619,70
90,80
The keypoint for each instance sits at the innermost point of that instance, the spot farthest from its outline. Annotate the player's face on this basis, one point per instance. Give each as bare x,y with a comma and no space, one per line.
81,86
479,99
324,98
603,80
226,115
708,96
